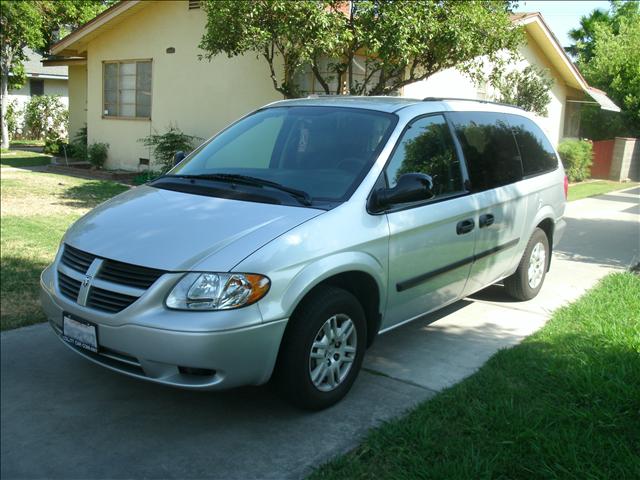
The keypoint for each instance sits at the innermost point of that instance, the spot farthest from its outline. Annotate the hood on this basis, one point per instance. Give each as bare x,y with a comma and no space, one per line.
178,231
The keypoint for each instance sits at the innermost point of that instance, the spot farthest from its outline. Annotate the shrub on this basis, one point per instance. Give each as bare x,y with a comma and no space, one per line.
576,156
145,177
97,154
528,89
46,116
165,146
78,147
56,146
13,117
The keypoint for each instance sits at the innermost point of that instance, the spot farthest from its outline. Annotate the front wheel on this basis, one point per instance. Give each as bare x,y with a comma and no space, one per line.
323,348
527,280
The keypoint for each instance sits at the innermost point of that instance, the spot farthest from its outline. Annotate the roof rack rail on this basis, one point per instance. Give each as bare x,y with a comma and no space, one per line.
443,99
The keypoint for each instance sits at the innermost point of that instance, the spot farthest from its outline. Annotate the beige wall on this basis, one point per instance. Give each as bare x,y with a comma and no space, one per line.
452,83
200,97
77,98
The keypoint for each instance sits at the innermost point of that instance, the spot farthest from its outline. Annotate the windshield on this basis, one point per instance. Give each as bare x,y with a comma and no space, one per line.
323,152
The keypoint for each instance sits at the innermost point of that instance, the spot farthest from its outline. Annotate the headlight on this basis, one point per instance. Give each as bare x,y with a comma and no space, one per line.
217,291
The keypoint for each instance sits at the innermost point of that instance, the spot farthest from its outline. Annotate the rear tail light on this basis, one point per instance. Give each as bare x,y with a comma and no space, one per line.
566,187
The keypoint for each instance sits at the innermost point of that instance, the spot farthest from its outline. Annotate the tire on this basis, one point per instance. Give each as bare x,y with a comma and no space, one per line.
308,326
521,285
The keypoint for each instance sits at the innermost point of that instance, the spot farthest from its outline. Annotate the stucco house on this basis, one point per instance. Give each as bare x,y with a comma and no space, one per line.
134,70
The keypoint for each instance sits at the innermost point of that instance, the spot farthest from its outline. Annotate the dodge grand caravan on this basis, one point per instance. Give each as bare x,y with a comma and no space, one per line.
282,246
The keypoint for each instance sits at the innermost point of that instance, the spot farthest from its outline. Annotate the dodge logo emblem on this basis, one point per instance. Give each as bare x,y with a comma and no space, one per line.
87,280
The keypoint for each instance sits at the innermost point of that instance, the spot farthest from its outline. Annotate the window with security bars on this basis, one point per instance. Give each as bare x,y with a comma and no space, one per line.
127,89
194,4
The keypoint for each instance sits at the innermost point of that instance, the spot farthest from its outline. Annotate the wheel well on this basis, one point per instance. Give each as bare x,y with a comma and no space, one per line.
547,226
362,286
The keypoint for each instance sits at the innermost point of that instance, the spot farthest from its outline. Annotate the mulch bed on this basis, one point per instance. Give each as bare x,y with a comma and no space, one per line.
84,170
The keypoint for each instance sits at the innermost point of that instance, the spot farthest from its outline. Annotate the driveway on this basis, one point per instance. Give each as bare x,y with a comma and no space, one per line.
64,417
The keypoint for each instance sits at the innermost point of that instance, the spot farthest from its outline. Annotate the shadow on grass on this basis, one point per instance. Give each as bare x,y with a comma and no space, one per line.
91,193
24,161
20,290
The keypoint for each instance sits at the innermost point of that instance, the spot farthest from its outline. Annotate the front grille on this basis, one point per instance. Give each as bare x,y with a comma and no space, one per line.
69,287
76,259
132,275
108,301
117,273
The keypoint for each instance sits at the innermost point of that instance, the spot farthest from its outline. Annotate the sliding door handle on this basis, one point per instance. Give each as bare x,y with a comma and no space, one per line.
465,226
486,220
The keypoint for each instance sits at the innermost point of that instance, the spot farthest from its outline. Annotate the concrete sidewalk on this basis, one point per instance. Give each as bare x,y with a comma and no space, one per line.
63,417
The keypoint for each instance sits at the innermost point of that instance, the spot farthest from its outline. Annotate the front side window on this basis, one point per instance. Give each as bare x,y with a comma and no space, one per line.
322,151
489,149
127,89
427,147
536,151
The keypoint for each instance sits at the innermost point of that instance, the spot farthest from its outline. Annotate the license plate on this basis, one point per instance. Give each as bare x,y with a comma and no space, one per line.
80,334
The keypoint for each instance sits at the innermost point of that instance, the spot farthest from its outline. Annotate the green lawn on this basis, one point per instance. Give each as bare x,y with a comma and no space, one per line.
596,187
26,142
18,158
563,404
37,208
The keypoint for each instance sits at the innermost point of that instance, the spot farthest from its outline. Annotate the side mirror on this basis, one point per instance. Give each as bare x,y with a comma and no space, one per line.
178,157
411,187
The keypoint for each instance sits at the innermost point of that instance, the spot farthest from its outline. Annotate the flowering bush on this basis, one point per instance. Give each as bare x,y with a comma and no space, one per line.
46,116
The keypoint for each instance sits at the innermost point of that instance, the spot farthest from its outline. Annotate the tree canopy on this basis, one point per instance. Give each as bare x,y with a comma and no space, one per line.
392,42
36,24
607,50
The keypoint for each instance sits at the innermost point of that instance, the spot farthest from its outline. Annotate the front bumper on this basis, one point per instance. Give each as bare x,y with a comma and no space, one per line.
191,357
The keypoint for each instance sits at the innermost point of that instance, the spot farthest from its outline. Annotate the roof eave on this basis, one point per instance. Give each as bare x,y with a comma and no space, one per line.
65,45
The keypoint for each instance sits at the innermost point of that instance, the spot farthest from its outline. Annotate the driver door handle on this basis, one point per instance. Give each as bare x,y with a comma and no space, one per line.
465,226
486,220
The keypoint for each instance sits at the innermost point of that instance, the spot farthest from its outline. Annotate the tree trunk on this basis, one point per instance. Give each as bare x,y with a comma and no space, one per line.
4,100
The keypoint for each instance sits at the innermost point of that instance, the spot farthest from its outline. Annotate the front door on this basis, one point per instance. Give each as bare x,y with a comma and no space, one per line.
431,243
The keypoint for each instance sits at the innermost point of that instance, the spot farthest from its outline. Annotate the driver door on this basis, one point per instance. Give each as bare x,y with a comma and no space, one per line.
431,242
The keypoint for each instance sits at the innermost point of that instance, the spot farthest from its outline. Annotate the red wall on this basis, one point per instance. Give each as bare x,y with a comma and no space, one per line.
602,156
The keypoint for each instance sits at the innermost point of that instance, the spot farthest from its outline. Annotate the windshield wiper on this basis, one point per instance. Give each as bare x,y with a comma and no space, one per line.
302,196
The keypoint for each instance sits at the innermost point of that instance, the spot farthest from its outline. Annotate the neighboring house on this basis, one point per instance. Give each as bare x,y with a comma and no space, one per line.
41,80
134,70
568,93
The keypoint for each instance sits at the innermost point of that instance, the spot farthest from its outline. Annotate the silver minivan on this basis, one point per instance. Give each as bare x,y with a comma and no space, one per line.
283,246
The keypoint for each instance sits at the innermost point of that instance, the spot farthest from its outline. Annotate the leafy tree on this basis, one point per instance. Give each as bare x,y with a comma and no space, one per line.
615,66
607,49
400,41
35,24
528,88
584,36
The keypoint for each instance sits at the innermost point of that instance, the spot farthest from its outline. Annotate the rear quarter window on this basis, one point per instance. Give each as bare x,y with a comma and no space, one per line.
536,151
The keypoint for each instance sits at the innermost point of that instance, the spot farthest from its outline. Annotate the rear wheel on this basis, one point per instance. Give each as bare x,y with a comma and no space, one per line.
527,280
322,350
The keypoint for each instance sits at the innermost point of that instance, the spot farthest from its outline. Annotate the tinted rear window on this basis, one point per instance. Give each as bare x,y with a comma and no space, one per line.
535,149
489,147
